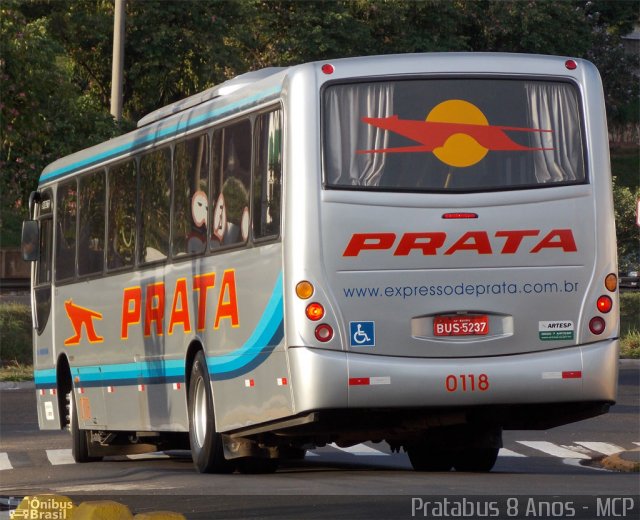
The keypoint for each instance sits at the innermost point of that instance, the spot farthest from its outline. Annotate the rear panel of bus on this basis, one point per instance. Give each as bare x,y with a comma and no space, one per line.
459,237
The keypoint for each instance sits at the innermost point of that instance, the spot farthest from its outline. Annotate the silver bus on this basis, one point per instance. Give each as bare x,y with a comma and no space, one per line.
417,249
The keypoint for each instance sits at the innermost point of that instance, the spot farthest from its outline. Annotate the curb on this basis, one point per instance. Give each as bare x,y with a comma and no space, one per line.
17,385
625,461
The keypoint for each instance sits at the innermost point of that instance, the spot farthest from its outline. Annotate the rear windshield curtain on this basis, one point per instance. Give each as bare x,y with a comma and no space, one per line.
452,134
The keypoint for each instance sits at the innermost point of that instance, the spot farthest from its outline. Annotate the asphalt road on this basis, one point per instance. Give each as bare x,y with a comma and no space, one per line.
552,473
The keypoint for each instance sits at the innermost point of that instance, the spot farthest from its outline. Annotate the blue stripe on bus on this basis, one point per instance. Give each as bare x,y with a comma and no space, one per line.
267,335
181,126
45,378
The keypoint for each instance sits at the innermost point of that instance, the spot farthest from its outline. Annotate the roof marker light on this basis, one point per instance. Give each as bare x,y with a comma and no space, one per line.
327,68
571,64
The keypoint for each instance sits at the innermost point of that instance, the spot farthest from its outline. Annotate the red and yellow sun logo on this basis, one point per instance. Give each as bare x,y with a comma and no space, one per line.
455,131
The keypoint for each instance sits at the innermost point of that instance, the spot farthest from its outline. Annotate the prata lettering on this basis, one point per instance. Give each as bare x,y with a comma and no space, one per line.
145,305
437,242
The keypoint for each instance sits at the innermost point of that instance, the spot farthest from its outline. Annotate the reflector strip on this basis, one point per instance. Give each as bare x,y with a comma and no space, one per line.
282,381
111,389
43,391
52,391
369,381
141,388
176,386
249,383
81,390
569,374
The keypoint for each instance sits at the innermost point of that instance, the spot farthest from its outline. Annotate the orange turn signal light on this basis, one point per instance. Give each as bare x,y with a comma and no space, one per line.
304,290
611,282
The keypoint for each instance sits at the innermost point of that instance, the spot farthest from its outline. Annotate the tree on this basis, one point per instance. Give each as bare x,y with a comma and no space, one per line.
43,115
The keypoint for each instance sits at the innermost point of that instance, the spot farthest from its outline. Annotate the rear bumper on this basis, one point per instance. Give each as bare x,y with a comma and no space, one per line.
323,379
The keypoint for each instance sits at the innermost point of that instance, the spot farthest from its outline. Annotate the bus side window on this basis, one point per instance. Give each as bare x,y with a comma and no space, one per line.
91,236
155,196
66,212
190,197
267,176
122,215
232,177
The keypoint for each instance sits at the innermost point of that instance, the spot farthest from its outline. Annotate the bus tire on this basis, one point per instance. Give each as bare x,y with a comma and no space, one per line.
205,441
80,439
476,460
427,458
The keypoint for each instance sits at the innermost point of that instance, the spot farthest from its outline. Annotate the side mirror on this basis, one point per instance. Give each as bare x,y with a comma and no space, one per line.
30,240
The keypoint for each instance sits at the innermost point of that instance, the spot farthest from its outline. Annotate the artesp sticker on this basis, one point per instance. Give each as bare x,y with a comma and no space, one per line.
555,330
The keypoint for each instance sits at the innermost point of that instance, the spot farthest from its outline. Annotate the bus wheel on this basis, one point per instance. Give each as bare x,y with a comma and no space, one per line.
206,443
79,438
476,460
427,458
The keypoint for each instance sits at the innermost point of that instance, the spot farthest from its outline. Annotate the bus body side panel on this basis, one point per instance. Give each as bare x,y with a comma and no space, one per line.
126,341
247,363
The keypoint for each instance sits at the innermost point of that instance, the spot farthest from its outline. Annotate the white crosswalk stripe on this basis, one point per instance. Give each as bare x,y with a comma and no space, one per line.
5,463
554,449
504,452
360,449
601,447
59,457
579,450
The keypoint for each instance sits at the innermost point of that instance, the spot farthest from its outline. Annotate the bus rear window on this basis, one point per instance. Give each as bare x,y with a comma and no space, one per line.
452,135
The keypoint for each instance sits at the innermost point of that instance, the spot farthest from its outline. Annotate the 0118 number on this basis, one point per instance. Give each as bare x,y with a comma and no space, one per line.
467,383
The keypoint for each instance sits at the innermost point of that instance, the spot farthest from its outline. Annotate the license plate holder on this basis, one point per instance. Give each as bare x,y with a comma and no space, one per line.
461,325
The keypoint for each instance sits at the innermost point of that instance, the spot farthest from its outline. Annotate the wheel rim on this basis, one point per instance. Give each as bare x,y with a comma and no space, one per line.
200,418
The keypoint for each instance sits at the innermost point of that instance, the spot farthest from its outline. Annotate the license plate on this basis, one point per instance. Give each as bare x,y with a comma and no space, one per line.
477,325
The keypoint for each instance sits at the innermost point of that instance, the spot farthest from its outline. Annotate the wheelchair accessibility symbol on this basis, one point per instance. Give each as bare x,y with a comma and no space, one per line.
363,333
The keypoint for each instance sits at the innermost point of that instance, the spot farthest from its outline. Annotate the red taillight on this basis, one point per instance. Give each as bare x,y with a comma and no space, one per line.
324,332
571,64
315,311
604,304
597,325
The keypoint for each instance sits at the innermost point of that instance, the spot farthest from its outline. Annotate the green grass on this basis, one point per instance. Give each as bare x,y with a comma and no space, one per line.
630,324
15,371
15,334
625,165
629,312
